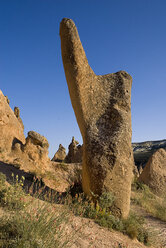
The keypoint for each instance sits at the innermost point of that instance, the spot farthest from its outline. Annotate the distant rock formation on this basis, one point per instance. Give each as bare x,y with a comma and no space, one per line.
10,128
144,150
103,111
60,155
75,152
154,173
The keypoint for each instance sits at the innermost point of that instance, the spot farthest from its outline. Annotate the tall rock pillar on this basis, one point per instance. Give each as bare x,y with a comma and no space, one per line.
103,111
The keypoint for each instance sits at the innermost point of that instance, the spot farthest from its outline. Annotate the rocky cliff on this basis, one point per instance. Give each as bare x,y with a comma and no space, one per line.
144,150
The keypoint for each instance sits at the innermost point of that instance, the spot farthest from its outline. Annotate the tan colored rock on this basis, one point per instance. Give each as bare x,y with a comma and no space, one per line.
154,173
60,155
11,130
136,172
33,155
7,99
37,139
63,176
75,152
103,111
140,170
17,114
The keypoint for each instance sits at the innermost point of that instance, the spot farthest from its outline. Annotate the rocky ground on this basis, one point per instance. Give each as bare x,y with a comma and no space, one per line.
156,227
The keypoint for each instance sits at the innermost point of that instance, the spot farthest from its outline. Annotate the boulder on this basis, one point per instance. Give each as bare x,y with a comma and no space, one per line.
60,155
37,139
154,173
102,105
11,130
75,152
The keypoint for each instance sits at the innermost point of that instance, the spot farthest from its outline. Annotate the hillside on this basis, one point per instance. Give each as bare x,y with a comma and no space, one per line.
76,230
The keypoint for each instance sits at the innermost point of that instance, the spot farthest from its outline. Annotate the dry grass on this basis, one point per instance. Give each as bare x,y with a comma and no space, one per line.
153,204
33,223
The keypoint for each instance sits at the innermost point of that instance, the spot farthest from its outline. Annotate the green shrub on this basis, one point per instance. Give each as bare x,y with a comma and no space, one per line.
137,185
133,227
106,200
38,228
12,196
160,209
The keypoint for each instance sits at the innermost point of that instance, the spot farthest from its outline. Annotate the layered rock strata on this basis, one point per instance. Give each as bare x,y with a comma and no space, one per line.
102,108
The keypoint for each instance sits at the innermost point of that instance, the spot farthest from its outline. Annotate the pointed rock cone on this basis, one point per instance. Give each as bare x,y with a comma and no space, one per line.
103,111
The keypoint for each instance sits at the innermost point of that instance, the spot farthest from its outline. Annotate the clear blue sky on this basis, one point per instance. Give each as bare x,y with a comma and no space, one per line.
116,34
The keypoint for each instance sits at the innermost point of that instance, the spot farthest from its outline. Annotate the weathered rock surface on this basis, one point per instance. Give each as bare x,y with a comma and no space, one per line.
103,112
10,128
144,150
75,152
7,99
63,176
33,155
60,155
37,139
154,173
17,114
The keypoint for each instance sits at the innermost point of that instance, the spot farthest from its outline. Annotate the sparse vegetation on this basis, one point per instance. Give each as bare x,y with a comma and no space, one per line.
152,203
26,225
102,215
40,227
12,196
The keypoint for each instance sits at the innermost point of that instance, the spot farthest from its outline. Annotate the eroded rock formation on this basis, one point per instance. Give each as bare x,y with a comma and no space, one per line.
60,155
10,128
103,112
154,173
33,155
17,114
75,152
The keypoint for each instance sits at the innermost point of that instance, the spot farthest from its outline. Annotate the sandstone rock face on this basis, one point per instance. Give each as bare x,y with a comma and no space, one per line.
63,176
154,173
33,155
17,114
36,147
60,155
37,139
75,152
10,128
7,99
103,112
